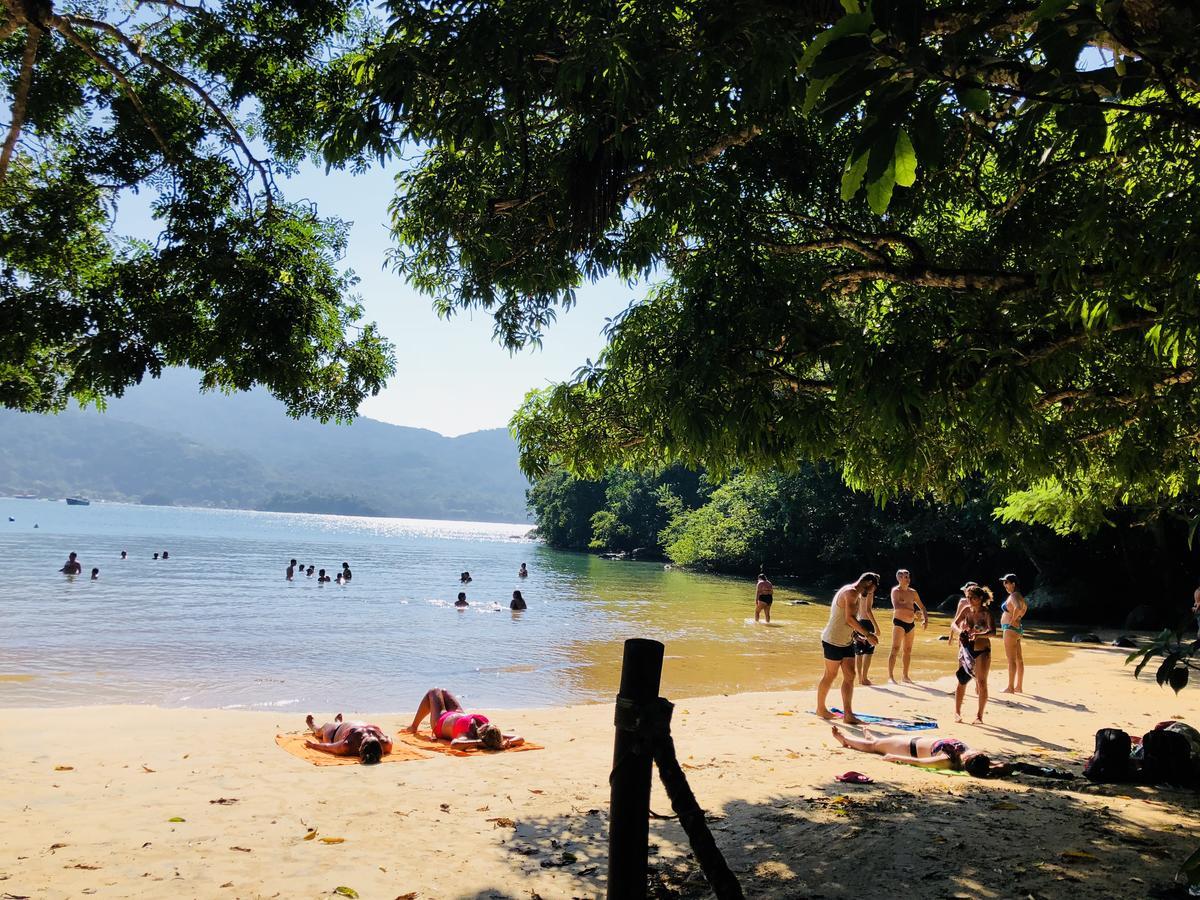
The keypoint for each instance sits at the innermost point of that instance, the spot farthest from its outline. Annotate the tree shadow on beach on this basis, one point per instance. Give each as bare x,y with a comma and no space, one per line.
952,837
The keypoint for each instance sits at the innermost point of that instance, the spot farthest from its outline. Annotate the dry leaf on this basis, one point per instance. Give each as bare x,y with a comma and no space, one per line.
84,866
503,822
312,833
536,791
445,807
227,884
145,845
483,809
146,768
57,846
1004,804
64,768
332,840
411,895
1081,855
224,801
243,849
785,714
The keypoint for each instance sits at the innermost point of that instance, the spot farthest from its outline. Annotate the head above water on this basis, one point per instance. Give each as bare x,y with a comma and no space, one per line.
462,595
292,563
71,556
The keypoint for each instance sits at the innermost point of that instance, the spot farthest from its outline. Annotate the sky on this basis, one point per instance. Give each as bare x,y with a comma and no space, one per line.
451,376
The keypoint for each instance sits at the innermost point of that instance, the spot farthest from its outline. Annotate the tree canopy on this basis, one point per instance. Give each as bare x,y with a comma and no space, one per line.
198,107
924,241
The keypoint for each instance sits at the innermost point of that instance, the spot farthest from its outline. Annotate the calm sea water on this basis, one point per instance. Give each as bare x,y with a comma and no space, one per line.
217,624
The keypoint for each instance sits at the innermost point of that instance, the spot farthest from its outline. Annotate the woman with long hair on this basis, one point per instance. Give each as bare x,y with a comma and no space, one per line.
1012,612
450,722
928,752
974,624
368,742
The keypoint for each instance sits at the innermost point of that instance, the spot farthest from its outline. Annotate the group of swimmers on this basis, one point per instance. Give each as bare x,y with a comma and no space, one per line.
343,577
517,602
448,721
851,635
74,567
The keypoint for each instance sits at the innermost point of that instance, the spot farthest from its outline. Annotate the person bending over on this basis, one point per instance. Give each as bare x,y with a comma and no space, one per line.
837,644
450,722
367,742
928,752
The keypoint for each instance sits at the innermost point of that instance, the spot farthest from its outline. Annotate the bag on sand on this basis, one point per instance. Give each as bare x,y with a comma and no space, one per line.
1110,763
1167,758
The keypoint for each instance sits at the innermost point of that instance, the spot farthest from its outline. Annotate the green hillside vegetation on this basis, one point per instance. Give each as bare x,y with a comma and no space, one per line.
164,443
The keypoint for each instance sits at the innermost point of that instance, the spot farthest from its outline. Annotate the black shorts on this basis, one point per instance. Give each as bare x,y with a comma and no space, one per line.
834,653
766,599
863,647
907,626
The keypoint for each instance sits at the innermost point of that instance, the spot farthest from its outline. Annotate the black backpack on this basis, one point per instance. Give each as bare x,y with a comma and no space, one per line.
1167,758
1110,763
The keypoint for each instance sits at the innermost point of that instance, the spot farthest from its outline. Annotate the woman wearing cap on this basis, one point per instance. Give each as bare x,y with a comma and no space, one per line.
1012,613
454,724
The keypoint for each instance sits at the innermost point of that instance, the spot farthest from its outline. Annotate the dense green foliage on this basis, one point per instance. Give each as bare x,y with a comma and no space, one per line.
175,102
928,242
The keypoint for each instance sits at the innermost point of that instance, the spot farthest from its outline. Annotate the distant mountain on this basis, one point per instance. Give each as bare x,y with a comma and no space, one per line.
166,443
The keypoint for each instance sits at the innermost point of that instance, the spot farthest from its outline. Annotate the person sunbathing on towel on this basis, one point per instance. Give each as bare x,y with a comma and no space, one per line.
929,752
452,723
367,742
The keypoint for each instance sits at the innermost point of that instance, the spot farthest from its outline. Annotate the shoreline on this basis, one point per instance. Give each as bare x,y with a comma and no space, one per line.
102,788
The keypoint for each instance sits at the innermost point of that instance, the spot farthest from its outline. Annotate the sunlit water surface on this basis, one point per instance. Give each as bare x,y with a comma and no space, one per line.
217,625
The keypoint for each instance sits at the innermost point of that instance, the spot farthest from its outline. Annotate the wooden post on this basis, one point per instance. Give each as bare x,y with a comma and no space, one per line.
633,762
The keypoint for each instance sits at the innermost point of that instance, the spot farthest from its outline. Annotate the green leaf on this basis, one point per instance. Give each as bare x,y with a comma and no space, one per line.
839,55
852,177
1047,9
345,891
813,91
879,192
851,6
852,24
905,160
177,819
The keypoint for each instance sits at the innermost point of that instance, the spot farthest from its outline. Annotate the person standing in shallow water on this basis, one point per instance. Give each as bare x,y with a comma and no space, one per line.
906,603
523,572
461,602
72,566
518,602
764,596
837,645
291,570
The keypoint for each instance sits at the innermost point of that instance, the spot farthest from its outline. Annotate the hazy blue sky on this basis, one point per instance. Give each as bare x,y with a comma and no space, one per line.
451,376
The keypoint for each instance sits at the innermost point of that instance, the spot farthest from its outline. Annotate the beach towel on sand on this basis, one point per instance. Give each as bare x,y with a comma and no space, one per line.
294,744
428,742
902,724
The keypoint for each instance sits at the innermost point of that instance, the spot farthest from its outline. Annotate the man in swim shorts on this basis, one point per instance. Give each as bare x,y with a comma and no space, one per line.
906,603
764,596
837,645
864,650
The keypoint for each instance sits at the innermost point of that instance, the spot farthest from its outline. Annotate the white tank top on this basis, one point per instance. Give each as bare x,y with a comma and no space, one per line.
837,632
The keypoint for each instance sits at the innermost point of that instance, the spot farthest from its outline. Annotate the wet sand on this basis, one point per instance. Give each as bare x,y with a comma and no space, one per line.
147,802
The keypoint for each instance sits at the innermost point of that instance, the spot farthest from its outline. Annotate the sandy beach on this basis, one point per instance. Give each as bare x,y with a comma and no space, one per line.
146,802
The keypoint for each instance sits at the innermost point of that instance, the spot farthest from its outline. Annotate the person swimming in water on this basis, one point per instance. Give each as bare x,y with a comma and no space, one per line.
72,566
450,722
124,555
523,572
928,752
465,578
461,602
518,602
346,573
166,555
368,742
322,577
291,570
95,574
309,572
1012,613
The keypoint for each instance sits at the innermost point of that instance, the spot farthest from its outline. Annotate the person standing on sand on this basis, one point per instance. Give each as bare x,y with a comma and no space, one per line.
837,645
1012,612
864,651
963,603
906,603
764,596
975,649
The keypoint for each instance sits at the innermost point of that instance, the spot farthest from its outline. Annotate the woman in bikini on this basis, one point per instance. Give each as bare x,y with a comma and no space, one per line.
1012,613
928,752
367,742
450,722
974,624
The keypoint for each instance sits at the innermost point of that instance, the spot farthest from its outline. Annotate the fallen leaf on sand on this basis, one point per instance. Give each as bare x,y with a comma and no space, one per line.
1004,804
84,866
590,870
146,768
227,884
536,791
145,845
312,833
345,891
445,807
57,846
64,768
411,895
177,819
333,840
483,809
503,822
224,801
1081,855
243,849
785,714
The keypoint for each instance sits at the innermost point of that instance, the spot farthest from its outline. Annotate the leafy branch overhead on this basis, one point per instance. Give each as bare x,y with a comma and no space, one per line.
185,113
924,241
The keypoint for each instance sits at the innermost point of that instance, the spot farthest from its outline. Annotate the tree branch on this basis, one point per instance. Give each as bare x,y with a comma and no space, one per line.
928,276
702,157
20,97
837,243
178,77
1061,344
73,36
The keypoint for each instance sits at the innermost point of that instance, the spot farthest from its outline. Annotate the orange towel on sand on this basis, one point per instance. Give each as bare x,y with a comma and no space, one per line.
294,744
428,742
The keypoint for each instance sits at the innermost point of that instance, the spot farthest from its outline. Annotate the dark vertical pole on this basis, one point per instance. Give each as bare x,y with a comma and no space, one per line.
629,805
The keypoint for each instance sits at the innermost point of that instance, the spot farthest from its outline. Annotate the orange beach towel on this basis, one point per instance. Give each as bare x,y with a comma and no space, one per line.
294,744
428,742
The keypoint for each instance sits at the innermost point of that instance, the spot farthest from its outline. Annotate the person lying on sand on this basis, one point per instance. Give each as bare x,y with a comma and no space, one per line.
450,722
367,742
928,752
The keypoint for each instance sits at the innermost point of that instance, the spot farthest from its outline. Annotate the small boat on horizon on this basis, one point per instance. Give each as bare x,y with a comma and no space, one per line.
78,501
